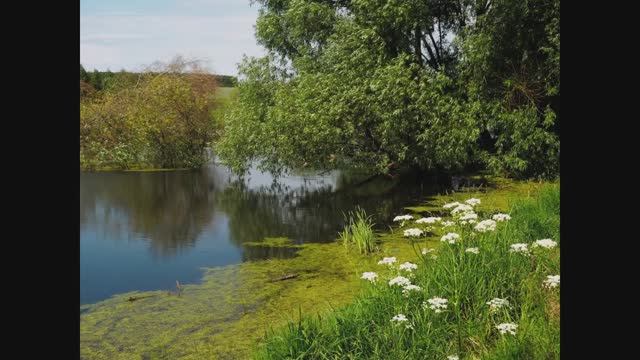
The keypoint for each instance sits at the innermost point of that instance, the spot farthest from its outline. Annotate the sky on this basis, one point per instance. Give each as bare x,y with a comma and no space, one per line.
131,34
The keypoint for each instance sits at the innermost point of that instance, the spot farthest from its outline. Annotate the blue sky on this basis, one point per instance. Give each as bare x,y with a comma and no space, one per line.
129,34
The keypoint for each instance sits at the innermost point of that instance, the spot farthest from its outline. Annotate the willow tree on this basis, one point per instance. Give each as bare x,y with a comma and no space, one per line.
377,84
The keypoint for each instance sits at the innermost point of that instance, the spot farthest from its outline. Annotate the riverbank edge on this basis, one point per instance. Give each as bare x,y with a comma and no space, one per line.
392,244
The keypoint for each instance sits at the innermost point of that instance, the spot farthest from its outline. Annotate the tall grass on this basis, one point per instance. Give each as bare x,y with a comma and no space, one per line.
467,328
358,231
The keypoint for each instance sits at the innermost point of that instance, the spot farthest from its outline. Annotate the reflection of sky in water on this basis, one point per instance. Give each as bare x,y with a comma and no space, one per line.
145,230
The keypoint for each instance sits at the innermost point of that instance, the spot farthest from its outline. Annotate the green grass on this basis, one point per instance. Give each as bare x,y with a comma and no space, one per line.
359,231
363,330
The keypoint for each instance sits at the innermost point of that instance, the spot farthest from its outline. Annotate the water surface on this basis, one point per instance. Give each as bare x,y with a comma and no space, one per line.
145,230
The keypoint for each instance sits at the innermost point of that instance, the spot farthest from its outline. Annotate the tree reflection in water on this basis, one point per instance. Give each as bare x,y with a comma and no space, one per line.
172,209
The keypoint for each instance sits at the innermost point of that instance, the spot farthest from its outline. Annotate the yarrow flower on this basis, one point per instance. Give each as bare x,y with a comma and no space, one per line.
450,238
545,243
426,251
413,232
428,220
552,281
453,357
400,280
409,288
473,201
468,218
497,303
485,225
451,205
462,208
507,328
436,304
408,266
399,318
447,223
387,261
519,248
402,218
501,217
474,250
371,276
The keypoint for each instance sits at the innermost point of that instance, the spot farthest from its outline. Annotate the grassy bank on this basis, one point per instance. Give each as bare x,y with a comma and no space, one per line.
476,298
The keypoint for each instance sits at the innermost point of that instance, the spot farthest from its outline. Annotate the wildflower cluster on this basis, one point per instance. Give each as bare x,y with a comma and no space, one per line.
545,243
451,238
552,281
387,261
414,232
402,218
501,217
399,280
407,266
519,248
371,276
497,303
507,328
468,218
437,304
485,225
428,220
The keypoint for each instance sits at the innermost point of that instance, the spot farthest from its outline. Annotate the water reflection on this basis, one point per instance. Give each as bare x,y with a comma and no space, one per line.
142,230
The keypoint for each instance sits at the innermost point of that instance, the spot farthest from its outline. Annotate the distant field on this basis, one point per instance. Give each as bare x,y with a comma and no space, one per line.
226,92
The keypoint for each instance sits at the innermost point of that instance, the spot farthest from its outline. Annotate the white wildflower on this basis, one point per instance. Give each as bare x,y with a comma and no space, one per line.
507,328
473,250
450,238
501,217
387,261
413,232
409,288
462,208
447,223
552,281
519,248
468,218
428,220
485,225
436,303
399,318
473,201
371,276
545,243
451,205
402,218
408,266
400,280
453,357
497,303
425,251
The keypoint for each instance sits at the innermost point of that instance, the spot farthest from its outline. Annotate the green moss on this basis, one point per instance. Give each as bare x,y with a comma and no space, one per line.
226,315
273,242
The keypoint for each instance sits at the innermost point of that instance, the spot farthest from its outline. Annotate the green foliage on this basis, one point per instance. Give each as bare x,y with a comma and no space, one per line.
163,120
423,83
466,328
359,231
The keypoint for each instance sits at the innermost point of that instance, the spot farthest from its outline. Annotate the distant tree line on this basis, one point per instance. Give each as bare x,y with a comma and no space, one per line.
92,81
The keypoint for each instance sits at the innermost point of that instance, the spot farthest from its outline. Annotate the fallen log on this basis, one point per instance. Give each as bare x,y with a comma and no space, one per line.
286,277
